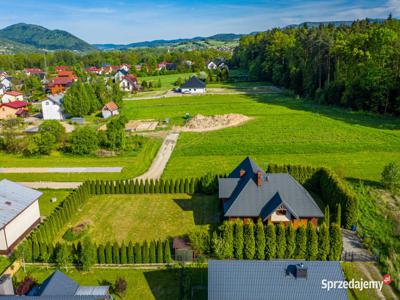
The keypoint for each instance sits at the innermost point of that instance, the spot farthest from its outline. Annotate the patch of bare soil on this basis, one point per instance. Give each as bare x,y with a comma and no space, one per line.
200,123
80,227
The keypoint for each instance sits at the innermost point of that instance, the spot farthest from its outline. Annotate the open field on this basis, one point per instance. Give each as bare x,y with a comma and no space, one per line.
141,284
284,130
45,204
133,163
167,81
145,216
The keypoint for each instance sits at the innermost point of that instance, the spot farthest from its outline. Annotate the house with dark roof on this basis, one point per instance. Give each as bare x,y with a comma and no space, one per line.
60,286
273,279
121,73
193,86
52,107
19,213
249,192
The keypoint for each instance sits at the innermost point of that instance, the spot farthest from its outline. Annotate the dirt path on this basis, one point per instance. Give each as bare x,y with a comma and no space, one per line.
159,163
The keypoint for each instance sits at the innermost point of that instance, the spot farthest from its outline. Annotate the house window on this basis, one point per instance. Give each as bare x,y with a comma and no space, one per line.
281,212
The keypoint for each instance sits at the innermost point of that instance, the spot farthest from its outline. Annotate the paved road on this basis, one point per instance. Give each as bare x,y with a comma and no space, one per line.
353,248
51,185
159,163
63,170
155,171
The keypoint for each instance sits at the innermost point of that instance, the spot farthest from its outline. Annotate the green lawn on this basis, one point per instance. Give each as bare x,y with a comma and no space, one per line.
45,204
284,130
167,81
134,163
145,216
141,284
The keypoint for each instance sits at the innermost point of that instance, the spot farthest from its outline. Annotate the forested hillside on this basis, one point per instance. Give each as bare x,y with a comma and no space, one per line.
355,66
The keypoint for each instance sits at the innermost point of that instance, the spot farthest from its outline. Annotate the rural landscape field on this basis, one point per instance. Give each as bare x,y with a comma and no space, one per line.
138,163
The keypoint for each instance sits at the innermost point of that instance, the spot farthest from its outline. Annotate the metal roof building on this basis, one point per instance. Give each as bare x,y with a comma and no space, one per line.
278,280
19,213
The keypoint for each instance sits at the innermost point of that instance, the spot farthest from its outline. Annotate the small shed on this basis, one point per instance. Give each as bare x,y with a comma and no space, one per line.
109,110
182,250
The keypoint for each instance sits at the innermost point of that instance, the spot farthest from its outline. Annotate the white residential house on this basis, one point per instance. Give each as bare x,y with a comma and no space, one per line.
2,89
193,86
6,82
125,67
212,65
52,107
121,73
19,213
128,83
11,96
109,110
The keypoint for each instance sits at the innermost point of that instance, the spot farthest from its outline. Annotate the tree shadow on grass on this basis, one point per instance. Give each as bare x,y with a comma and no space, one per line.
178,283
341,114
206,208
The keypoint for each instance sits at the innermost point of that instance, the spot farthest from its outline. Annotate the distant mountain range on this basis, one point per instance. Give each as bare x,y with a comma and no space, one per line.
33,38
222,37
28,37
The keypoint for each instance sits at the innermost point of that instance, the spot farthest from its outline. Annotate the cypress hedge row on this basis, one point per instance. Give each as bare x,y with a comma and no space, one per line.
277,241
331,188
159,186
158,252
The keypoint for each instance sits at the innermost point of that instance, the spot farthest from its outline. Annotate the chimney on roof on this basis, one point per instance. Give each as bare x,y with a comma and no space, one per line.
301,271
259,178
242,172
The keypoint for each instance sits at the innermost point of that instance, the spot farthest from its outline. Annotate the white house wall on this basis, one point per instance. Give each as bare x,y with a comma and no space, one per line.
51,111
3,244
22,222
193,91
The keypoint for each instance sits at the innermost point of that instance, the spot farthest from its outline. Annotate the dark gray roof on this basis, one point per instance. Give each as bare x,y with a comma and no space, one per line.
123,71
247,199
193,82
58,284
241,279
14,198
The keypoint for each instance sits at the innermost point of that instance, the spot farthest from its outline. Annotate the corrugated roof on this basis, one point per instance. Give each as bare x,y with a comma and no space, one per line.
254,280
101,290
246,198
14,198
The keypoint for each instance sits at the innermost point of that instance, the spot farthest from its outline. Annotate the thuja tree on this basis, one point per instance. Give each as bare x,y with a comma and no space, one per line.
109,253
336,242
323,242
160,253
152,252
124,256
312,242
260,240
290,241
301,242
270,241
249,240
88,257
227,235
138,254
238,239
101,255
167,252
280,241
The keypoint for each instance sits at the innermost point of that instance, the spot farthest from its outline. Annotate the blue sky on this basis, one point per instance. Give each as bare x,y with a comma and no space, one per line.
126,21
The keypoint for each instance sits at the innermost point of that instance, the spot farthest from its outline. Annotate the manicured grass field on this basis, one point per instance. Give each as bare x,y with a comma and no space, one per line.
45,204
167,81
134,163
145,216
284,130
141,284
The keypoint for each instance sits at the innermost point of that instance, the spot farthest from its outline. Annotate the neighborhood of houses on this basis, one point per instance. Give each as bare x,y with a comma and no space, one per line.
13,103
